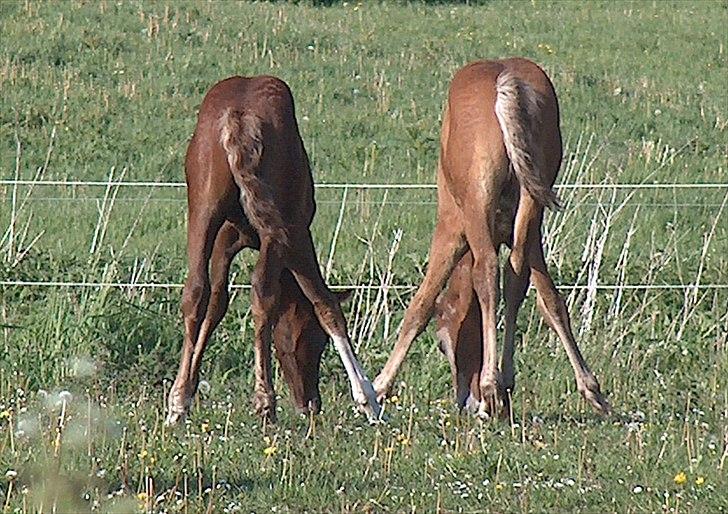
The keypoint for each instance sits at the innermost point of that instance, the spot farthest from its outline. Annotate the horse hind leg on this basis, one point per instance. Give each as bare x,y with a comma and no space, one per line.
515,285
202,232
228,243
265,308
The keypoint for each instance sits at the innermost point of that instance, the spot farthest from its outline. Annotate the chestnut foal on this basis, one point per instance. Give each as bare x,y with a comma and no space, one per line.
249,184
500,152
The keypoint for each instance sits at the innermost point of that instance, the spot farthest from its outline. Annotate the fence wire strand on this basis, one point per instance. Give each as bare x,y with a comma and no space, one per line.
343,185
362,186
399,287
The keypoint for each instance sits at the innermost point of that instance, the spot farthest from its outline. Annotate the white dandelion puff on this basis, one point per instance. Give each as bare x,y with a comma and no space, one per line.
65,396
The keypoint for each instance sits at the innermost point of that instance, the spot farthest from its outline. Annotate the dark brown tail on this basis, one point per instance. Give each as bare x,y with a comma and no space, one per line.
241,137
517,108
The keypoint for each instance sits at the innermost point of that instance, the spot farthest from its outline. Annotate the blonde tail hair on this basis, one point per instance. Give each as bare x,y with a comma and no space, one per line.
241,137
517,107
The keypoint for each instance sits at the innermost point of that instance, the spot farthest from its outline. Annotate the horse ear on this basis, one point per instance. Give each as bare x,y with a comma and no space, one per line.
343,295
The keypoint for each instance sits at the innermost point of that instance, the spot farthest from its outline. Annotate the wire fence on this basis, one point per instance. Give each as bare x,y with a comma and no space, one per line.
390,201
356,287
363,186
353,185
356,186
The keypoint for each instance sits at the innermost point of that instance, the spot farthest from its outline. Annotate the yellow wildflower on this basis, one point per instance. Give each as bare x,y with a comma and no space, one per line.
680,478
143,500
143,454
546,48
6,414
269,451
699,481
499,486
394,399
205,426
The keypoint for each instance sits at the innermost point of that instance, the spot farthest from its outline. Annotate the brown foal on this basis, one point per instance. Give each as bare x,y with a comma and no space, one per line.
249,185
500,152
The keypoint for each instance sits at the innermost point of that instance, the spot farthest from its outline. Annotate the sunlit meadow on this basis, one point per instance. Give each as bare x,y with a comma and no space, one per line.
107,92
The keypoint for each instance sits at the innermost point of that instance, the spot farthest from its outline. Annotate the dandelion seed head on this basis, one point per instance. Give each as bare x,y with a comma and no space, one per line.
65,396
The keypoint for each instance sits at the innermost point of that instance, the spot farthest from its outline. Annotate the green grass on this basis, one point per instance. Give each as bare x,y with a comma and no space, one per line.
87,87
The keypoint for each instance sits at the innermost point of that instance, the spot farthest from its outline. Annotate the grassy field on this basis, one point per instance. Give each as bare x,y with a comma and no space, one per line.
107,91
